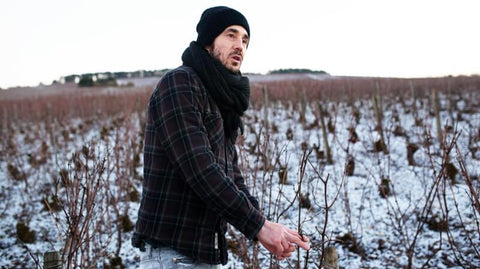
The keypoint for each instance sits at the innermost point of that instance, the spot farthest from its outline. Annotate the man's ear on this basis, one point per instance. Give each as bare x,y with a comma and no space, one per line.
209,48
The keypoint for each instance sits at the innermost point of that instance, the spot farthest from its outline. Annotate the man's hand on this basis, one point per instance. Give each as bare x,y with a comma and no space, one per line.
280,240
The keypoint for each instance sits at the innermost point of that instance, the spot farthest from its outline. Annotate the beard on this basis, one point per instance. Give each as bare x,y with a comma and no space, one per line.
217,54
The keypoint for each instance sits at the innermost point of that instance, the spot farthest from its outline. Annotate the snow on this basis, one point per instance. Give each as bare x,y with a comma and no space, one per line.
383,227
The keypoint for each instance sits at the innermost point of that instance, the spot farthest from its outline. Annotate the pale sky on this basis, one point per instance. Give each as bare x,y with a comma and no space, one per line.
41,40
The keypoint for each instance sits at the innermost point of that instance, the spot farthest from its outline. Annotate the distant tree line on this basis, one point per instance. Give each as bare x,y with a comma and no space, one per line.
89,81
297,70
108,78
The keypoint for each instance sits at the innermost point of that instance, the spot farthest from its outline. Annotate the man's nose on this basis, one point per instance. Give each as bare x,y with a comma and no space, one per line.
238,44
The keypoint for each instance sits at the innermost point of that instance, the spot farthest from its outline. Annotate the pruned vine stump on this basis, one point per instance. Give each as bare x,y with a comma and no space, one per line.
330,258
52,260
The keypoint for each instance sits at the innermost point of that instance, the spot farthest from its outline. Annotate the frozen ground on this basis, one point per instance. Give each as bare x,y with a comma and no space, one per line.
368,231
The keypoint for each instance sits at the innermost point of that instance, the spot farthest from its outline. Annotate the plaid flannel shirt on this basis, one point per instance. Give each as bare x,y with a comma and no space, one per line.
192,185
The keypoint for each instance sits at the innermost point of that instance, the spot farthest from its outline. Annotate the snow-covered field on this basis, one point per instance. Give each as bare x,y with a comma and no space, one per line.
387,212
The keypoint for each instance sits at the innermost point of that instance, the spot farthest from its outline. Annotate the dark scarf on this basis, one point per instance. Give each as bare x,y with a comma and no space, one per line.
230,91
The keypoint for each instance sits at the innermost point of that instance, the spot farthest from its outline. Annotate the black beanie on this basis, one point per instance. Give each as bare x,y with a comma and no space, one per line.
215,20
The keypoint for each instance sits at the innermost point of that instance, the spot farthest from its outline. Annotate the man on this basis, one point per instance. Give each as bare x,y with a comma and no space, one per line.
192,185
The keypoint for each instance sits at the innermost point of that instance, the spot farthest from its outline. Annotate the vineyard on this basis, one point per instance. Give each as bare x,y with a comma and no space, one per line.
384,170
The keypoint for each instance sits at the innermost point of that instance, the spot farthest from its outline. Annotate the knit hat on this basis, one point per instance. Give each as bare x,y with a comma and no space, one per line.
215,20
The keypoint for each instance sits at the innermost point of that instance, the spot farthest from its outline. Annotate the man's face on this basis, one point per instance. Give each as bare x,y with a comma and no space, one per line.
230,47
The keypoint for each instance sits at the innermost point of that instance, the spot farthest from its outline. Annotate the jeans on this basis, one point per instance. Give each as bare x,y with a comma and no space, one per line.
166,258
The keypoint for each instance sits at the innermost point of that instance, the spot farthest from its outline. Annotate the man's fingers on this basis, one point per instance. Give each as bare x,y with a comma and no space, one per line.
301,241
286,249
304,238
283,256
291,248
304,245
280,240
286,246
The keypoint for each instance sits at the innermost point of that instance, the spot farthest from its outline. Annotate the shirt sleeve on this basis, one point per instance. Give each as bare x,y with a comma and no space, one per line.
179,123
